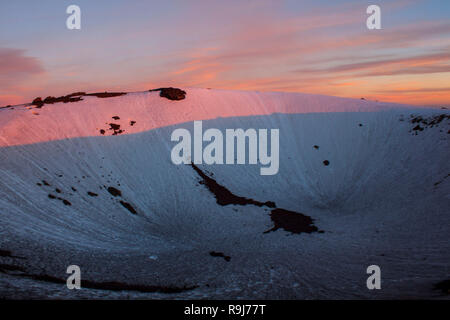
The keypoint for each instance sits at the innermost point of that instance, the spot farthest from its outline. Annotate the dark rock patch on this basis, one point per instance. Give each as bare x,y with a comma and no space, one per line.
224,196
92,194
64,99
128,206
116,118
66,202
288,220
326,162
8,254
219,254
440,181
132,123
51,196
38,102
316,147
45,183
291,221
171,93
423,123
116,128
74,189
57,190
115,192
102,131
111,286
106,94
73,97
6,268
76,94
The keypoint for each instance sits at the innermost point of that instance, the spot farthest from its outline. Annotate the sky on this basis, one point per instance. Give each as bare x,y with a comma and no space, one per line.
310,46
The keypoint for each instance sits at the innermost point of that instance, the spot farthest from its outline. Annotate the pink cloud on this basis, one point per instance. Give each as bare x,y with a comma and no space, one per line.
14,62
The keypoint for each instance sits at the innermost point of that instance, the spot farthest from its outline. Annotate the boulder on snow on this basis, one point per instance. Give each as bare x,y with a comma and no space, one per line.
38,102
171,93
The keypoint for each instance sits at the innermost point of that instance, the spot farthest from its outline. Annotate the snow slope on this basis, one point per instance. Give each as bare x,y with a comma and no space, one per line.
382,200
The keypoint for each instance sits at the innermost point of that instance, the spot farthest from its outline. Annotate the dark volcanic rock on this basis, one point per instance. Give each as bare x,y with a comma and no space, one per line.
38,102
171,93
128,206
291,221
115,192
106,94
224,196
219,254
